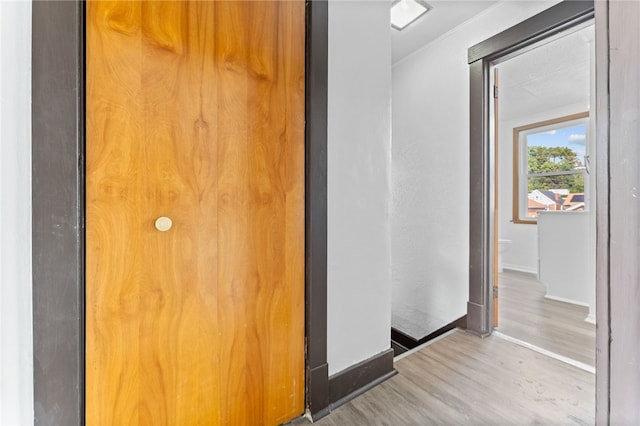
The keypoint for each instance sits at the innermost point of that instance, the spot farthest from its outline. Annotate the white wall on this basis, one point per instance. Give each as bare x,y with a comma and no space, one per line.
430,172
359,292
16,353
564,247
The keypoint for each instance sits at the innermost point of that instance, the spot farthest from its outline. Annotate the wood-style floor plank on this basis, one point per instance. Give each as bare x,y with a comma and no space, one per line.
465,380
555,326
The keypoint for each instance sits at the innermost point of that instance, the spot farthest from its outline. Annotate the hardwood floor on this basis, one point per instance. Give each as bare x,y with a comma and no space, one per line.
555,326
465,380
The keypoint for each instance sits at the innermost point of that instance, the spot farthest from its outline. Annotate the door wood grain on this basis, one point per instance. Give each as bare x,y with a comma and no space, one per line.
195,111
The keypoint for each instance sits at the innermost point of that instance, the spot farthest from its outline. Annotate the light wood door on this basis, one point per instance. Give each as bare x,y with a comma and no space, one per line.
195,112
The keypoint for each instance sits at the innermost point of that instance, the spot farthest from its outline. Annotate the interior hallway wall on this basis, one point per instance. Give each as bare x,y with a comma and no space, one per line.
430,172
359,115
16,356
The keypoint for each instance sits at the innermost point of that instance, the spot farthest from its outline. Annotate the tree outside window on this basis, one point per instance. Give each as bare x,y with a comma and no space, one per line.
550,163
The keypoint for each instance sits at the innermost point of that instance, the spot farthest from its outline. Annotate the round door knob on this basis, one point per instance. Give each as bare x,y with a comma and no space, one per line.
163,223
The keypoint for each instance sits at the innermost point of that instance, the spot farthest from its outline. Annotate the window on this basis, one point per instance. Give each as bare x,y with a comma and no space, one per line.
550,167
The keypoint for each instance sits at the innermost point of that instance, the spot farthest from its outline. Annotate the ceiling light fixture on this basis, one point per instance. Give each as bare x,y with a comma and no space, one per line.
404,12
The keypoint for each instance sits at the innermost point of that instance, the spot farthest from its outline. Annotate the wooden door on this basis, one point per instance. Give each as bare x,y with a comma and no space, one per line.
195,112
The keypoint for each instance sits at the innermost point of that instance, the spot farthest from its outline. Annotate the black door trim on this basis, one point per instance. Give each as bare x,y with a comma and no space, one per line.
58,153
58,211
552,21
316,208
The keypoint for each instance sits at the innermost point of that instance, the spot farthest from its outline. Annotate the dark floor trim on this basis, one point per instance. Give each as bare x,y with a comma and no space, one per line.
409,342
357,379
398,349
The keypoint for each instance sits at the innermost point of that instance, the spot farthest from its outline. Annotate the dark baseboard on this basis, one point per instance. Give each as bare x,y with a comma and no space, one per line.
397,348
409,342
477,319
357,379
354,381
318,397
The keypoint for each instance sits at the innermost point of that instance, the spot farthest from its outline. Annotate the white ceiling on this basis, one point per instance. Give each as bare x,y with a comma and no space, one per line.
550,76
443,16
553,75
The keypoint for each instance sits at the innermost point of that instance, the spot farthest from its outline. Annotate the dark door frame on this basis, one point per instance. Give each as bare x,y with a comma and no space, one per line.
58,172
546,24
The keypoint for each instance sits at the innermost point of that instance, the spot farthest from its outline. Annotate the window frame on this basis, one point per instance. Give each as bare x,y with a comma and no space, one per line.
520,160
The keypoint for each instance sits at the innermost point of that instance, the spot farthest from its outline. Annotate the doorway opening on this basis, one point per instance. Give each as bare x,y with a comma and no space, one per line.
484,215
544,183
481,58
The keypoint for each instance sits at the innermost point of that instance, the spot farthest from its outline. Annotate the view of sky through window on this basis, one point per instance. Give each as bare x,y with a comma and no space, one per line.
573,137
